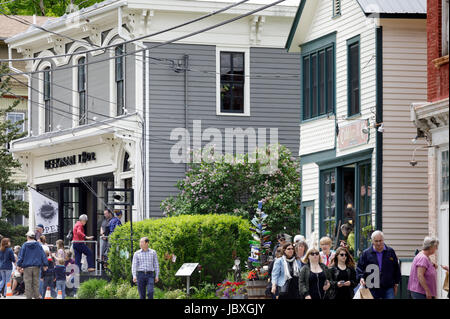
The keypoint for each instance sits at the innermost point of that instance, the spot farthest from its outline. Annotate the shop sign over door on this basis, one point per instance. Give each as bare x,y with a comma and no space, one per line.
69,160
353,134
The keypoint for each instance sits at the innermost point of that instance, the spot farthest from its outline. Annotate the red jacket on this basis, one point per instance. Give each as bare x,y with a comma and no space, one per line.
78,231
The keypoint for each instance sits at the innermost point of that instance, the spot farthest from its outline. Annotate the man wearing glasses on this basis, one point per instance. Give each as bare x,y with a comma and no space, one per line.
382,258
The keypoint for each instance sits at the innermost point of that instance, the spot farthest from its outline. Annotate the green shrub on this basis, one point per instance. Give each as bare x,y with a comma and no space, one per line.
206,291
89,288
175,294
133,293
157,293
107,292
210,240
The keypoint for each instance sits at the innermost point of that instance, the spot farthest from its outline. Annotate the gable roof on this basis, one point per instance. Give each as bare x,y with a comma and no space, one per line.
383,8
10,27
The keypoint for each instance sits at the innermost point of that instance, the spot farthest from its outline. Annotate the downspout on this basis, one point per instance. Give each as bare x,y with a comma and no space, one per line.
29,89
379,135
186,66
31,222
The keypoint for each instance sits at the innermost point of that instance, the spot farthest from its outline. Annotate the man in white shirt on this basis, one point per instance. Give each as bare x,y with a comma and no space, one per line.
145,269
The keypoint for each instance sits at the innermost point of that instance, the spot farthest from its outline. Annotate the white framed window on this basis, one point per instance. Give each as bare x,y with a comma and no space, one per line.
45,116
117,79
444,177
15,117
232,81
79,95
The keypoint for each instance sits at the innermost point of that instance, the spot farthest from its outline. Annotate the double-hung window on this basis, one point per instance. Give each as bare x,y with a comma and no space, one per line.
18,119
232,82
47,100
119,78
82,117
318,78
353,75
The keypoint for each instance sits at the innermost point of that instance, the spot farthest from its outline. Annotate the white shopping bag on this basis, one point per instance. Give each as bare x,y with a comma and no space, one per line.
358,292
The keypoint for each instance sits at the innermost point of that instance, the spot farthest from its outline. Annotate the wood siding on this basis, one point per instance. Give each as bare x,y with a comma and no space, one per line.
274,103
405,188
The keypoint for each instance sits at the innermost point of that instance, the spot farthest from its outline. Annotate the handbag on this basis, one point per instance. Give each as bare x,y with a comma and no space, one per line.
283,290
445,287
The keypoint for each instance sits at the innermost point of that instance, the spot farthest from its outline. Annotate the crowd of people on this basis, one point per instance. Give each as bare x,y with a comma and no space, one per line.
299,272
296,272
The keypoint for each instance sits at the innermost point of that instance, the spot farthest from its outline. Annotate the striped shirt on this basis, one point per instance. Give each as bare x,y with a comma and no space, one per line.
145,261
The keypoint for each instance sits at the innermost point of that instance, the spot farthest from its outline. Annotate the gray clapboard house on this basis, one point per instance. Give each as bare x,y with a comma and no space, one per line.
113,110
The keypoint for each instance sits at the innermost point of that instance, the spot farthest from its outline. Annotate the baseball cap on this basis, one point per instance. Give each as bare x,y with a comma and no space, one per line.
298,238
40,225
30,234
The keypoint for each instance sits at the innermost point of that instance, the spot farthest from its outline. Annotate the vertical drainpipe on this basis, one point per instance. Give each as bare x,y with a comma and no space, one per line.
379,135
31,221
186,66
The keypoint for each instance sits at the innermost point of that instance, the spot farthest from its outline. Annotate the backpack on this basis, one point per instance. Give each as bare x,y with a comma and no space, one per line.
70,235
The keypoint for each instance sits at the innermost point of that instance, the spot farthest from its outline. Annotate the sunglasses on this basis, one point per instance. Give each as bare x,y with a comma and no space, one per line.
314,254
343,255
289,248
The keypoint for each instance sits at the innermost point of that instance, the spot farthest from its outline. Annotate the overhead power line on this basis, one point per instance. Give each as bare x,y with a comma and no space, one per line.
124,42
156,45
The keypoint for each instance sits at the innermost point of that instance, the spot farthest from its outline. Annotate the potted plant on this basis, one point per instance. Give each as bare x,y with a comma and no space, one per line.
231,290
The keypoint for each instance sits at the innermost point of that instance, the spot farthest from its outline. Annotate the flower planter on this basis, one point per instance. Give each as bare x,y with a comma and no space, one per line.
256,289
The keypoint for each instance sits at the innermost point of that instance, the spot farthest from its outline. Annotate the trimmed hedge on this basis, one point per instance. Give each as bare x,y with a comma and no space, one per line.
210,240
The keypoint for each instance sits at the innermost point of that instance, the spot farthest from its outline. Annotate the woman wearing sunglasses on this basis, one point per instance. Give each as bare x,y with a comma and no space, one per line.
285,274
343,274
315,278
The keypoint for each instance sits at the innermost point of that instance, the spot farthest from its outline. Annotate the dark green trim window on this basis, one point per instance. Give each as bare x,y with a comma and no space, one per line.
328,200
364,206
318,82
353,76
119,77
307,222
82,115
444,177
232,80
48,116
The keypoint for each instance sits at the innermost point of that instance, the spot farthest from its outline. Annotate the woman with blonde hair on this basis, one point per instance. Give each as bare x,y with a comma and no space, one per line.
315,278
60,252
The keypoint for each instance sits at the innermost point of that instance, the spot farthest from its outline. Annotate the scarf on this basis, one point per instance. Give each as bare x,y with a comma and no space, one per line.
287,274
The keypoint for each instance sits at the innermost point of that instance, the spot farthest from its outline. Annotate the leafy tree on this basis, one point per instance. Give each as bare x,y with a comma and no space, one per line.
8,164
50,8
223,187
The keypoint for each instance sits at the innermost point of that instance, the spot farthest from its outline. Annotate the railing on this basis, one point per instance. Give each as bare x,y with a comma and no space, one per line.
95,255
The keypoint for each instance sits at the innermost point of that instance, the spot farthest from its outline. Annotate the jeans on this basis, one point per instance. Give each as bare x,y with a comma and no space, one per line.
5,277
31,280
145,282
79,249
104,248
48,282
61,285
382,293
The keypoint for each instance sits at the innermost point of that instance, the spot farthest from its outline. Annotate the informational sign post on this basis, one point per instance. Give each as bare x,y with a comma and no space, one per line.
186,270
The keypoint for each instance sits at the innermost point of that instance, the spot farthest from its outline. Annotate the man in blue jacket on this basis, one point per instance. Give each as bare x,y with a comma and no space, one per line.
384,257
31,259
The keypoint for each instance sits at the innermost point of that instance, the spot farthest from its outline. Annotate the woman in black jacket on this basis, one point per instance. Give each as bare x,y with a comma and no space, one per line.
314,278
343,274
